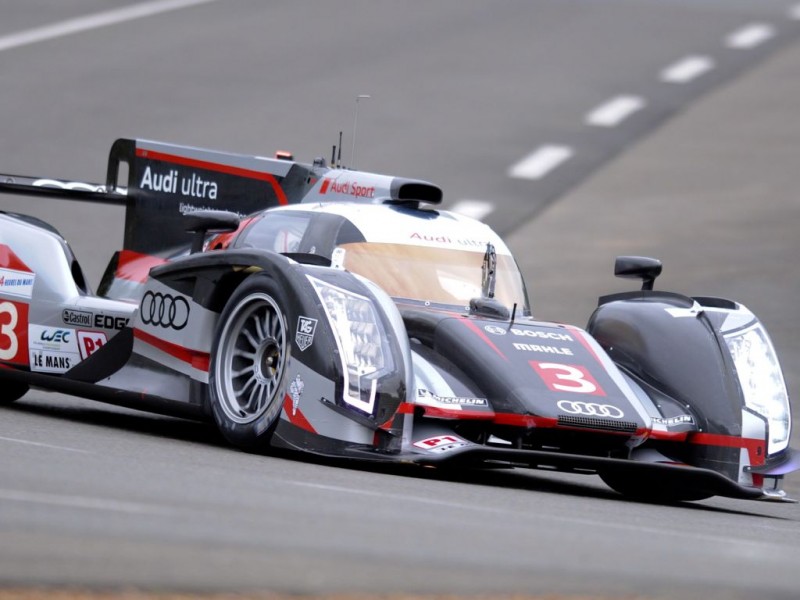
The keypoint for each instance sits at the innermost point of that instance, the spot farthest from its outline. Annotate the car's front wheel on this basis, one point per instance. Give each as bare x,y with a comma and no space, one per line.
249,363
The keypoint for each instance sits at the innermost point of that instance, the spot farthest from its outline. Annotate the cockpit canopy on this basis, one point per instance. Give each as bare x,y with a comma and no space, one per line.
416,256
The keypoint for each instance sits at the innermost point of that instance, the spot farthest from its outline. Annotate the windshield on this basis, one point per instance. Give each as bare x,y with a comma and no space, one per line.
435,275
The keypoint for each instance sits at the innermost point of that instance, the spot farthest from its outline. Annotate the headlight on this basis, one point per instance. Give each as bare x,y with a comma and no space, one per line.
360,338
762,382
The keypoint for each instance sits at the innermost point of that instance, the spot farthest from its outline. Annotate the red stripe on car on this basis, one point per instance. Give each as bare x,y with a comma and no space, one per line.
9,260
195,358
483,336
133,266
756,449
582,339
296,416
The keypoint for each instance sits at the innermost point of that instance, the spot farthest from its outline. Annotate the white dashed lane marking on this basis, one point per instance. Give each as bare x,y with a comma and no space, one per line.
83,502
476,209
41,445
615,111
687,69
750,36
539,163
103,19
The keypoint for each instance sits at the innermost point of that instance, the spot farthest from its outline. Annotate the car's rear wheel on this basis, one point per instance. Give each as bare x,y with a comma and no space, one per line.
650,489
249,363
12,390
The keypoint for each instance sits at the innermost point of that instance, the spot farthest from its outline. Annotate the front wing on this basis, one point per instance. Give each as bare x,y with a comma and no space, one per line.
475,456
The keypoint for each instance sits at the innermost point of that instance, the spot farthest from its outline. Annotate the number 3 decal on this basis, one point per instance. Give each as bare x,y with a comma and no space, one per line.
567,378
10,324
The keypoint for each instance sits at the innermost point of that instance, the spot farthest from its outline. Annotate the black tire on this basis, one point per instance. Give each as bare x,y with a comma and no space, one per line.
12,390
650,489
249,362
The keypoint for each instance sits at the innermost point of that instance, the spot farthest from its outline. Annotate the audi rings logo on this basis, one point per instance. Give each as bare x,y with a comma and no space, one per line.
494,329
590,409
164,310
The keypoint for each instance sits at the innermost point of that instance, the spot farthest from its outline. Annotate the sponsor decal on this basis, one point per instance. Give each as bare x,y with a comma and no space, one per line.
173,182
347,188
16,283
14,332
164,310
543,335
80,318
52,349
186,209
304,337
590,409
545,349
90,342
533,333
51,362
296,392
443,443
337,258
673,421
567,378
56,337
447,240
109,322
495,329
426,397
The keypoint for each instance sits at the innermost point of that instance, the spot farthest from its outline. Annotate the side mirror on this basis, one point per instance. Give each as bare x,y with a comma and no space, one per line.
638,267
215,221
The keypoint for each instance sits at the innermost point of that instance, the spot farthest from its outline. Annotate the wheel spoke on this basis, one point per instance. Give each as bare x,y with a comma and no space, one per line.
253,401
242,390
250,338
248,369
259,327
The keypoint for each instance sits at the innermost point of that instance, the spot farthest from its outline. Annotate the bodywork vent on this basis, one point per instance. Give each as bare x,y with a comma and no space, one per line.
597,424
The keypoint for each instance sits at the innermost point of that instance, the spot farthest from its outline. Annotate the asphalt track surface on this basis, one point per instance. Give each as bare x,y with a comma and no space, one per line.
703,174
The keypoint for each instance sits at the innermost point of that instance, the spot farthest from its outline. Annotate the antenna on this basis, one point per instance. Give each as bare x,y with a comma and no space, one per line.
489,271
355,123
339,159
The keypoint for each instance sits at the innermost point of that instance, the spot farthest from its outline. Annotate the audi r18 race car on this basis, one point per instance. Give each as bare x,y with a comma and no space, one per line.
341,313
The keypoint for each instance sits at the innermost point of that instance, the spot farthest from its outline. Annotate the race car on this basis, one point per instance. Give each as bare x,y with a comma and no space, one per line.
342,313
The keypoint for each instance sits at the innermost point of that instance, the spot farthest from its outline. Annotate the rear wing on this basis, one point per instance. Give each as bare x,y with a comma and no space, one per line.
166,182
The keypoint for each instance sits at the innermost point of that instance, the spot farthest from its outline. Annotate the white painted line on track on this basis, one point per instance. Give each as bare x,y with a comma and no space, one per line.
539,163
42,445
687,69
95,21
750,36
82,502
615,111
475,209
598,522
403,497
